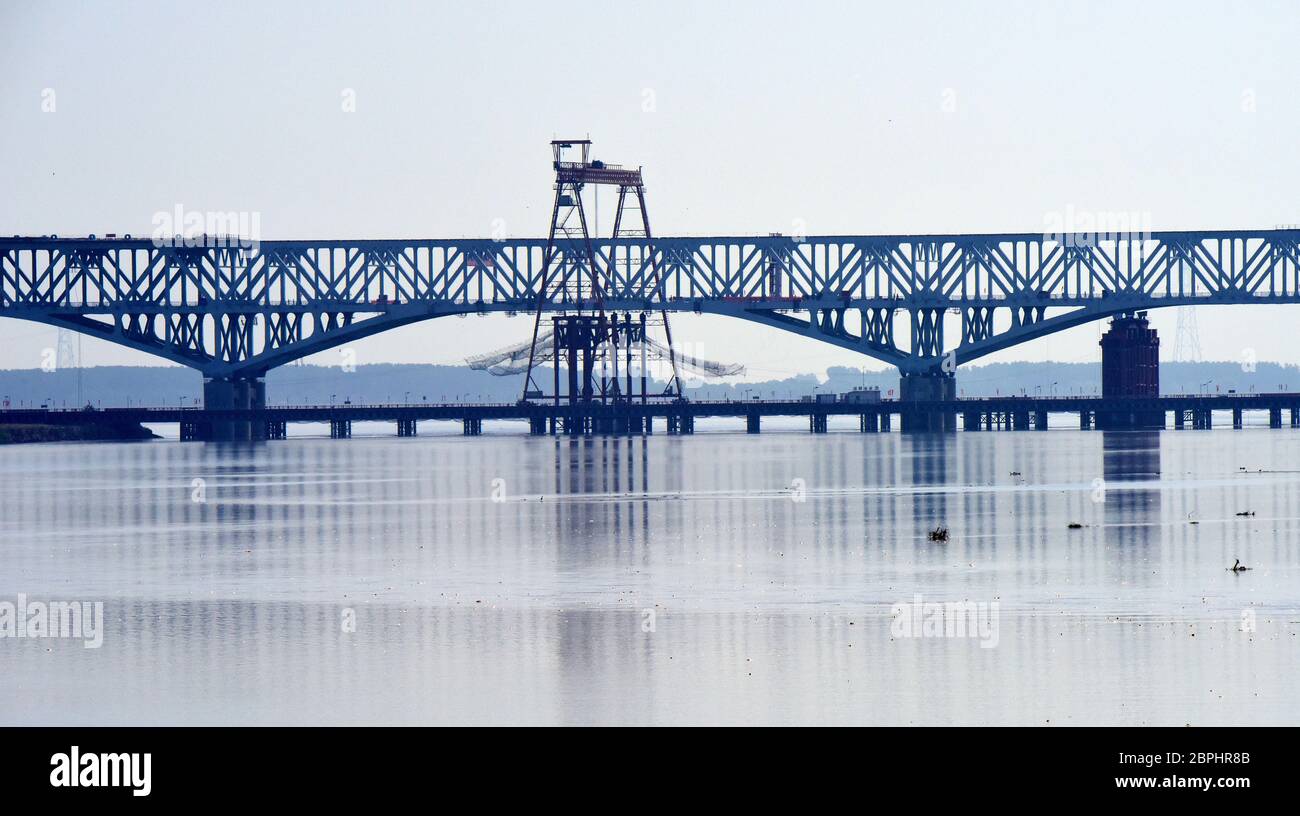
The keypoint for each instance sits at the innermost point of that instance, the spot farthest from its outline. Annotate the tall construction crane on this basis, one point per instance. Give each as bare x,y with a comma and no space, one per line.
593,346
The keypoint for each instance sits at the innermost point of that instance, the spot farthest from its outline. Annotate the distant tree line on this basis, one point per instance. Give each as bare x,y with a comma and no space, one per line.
116,386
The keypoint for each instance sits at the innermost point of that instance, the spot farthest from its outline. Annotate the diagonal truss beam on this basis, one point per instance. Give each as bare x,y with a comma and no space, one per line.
224,309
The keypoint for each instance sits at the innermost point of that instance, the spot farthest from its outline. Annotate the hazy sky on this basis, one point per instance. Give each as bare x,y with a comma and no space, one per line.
856,118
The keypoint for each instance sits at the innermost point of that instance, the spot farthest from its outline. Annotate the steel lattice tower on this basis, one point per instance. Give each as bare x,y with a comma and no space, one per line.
583,336
1187,340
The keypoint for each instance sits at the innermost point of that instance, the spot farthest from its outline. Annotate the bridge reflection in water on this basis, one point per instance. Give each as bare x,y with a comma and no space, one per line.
655,580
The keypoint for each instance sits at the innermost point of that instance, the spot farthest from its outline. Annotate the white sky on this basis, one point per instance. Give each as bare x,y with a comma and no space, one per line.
763,113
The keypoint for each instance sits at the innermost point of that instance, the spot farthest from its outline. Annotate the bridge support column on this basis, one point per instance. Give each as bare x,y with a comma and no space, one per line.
885,419
277,429
817,423
927,387
257,401
472,426
406,427
1180,419
869,423
970,421
228,395
753,422
340,429
1040,420
1295,417
1236,419
537,426
1085,420
1275,417
1130,369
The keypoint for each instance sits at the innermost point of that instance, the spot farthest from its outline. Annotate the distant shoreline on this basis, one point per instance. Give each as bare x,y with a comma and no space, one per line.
309,384
27,434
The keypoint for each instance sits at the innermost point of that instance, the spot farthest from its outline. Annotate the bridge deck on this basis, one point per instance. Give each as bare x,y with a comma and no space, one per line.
694,409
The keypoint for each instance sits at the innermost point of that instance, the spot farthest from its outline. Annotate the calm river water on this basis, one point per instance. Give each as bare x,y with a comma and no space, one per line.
719,578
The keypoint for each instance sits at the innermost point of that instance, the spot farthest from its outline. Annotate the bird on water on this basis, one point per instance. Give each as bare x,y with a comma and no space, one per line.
1238,567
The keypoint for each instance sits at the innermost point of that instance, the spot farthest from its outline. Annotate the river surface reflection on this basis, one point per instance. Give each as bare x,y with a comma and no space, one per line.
720,578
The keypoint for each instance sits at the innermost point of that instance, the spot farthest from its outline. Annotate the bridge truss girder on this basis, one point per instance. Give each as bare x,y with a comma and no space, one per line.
235,312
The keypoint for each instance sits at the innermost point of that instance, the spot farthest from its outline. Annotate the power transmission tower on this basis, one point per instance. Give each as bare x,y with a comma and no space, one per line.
1187,341
68,356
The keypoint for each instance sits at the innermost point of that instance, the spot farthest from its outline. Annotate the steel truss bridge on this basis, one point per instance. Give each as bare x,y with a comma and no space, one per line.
234,312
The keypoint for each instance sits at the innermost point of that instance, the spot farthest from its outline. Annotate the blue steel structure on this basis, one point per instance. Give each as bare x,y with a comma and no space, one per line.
234,312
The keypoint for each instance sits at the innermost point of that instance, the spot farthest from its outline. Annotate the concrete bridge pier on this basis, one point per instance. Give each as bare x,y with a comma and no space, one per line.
1020,420
927,387
1295,417
753,423
1236,419
1275,417
817,423
233,394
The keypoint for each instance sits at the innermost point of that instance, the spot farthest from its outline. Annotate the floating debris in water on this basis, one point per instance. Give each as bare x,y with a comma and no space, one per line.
1074,525
939,534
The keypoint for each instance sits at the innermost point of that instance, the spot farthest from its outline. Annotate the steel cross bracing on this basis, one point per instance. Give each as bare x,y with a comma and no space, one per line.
236,312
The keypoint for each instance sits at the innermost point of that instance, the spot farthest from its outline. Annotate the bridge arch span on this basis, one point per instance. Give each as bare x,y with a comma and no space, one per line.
236,312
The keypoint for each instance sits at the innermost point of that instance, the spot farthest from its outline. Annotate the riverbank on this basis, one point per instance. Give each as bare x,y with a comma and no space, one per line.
19,434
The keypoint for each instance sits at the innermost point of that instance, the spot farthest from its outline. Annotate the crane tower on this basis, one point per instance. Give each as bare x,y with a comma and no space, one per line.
596,349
